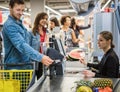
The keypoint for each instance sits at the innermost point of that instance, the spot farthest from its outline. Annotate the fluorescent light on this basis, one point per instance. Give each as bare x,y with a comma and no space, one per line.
4,7
53,10
67,10
30,10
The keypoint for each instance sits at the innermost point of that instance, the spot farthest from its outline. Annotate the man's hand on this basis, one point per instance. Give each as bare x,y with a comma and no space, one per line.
46,60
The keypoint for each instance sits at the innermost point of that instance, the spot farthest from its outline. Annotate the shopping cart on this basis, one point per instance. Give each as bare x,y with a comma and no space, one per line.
15,80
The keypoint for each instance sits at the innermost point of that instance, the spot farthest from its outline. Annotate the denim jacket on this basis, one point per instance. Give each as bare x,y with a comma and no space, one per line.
16,44
34,41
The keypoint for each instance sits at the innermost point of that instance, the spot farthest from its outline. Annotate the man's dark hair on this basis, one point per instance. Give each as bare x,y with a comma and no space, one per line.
13,2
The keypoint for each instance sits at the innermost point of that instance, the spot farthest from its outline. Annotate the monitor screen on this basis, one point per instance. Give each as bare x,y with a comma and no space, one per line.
59,46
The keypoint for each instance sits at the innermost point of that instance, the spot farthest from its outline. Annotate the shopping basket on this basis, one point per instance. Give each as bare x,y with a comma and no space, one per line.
15,80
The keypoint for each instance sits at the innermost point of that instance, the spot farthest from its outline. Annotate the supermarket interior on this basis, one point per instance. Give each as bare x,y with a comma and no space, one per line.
60,45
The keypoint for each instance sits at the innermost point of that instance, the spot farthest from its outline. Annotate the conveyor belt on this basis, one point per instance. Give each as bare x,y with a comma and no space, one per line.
64,84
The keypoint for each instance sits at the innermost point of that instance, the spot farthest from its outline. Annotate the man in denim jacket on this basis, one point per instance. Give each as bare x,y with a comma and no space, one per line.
15,37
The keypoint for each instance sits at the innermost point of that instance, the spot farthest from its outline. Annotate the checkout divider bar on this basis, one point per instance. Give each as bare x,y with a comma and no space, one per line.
16,64
36,85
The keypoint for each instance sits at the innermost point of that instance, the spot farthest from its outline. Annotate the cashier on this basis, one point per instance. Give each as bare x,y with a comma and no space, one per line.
109,65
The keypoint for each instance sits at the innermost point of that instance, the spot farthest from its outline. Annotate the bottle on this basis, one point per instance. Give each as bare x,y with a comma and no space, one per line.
112,6
95,89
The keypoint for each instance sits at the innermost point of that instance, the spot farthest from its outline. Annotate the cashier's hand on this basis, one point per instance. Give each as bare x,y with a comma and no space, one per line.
88,73
82,60
46,60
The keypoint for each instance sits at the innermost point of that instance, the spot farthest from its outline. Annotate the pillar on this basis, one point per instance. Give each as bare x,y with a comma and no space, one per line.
37,6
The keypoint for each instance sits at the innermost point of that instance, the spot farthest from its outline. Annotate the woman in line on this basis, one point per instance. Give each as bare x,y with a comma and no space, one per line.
67,35
109,65
39,36
54,27
78,29
53,23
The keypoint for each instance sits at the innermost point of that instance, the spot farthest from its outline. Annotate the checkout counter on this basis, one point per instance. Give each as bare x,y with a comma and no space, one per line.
65,83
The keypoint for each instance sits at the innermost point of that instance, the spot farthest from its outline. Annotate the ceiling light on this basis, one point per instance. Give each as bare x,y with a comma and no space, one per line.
67,10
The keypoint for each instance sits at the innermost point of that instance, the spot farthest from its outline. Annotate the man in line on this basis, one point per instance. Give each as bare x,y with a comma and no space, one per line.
16,42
